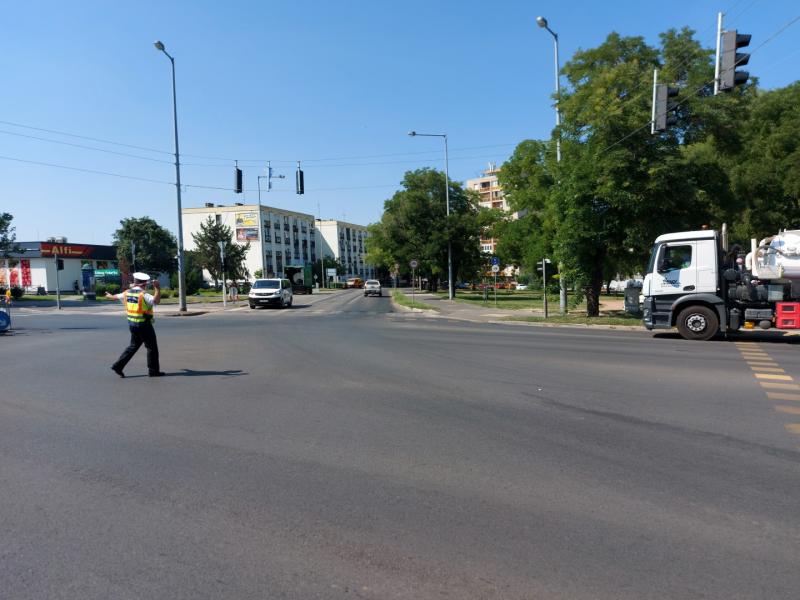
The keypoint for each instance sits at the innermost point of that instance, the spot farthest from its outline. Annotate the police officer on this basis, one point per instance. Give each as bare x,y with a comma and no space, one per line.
139,309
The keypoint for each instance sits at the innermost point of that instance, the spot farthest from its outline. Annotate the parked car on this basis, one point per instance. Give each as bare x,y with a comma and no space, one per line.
522,286
372,287
270,292
354,282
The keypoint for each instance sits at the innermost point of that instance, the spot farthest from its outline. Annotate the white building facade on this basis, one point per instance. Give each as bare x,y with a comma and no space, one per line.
346,242
277,237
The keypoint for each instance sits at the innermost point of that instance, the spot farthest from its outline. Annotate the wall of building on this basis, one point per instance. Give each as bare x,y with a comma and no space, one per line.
346,242
36,267
277,237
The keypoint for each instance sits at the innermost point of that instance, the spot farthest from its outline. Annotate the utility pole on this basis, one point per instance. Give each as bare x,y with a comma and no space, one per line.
222,264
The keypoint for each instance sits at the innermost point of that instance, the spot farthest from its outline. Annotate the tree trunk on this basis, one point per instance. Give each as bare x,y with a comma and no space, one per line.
594,287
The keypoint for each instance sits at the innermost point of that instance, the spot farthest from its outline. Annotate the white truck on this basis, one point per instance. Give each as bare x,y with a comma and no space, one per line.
696,283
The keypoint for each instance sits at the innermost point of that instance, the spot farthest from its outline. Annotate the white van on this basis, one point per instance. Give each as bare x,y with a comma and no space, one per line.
274,292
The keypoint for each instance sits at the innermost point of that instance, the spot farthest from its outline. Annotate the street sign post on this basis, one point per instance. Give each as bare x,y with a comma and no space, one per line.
413,264
495,269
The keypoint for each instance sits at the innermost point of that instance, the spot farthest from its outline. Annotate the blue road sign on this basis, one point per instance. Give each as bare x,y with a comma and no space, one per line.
495,261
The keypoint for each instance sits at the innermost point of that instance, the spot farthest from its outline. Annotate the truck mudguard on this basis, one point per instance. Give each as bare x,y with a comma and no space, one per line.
713,300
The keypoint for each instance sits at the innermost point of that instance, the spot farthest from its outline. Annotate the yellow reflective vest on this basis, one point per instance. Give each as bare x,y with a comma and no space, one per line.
137,308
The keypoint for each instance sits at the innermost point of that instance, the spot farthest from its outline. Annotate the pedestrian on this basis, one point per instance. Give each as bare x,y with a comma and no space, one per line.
8,295
139,309
233,292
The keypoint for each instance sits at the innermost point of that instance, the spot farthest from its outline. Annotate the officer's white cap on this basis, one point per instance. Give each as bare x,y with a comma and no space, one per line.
143,277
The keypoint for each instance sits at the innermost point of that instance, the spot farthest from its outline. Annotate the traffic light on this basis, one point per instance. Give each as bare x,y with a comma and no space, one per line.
299,182
729,77
60,264
663,105
237,172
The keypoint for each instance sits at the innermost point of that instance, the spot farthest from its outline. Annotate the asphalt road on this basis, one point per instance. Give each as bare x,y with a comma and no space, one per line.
341,450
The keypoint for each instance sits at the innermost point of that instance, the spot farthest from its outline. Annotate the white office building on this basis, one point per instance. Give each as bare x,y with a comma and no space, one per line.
346,242
277,237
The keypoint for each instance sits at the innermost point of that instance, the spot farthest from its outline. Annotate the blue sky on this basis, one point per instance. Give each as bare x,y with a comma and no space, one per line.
336,85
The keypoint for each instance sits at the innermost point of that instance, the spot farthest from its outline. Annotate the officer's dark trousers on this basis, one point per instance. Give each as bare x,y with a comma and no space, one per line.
141,334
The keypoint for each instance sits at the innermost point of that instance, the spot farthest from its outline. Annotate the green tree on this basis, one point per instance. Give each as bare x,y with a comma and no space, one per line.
765,173
8,239
618,186
193,273
155,247
415,225
208,254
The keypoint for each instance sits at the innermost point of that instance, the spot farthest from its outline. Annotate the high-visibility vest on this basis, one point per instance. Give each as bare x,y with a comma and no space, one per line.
137,308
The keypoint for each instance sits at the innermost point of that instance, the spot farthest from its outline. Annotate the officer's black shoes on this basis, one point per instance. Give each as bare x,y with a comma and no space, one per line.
156,374
118,371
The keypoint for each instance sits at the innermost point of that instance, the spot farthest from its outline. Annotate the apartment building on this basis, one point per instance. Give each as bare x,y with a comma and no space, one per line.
346,242
277,237
491,196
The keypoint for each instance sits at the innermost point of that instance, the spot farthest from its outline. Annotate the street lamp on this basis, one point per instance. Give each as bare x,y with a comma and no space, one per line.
447,200
261,237
181,274
542,22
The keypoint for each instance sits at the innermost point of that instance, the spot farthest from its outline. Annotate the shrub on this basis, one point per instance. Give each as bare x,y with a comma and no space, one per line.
112,288
17,292
166,294
100,289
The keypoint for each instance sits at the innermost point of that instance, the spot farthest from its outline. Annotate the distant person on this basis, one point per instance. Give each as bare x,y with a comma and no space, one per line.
76,287
139,310
8,295
233,292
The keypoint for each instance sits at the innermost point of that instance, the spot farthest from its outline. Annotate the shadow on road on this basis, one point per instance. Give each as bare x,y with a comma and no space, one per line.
191,373
767,337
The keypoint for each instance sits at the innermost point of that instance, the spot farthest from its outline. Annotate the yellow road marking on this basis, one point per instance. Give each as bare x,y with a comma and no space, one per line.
747,355
783,396
779,386
766,368
792,410
772,376
793,427
761,361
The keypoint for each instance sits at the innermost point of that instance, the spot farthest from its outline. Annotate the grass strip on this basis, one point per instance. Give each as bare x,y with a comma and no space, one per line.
616,318
406,301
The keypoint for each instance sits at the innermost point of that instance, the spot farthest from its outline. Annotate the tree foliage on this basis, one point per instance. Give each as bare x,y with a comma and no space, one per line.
208,254
415,226
8,239
618,187
156,247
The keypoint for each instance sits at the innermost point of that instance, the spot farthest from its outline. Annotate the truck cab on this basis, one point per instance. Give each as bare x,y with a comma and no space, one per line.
682,287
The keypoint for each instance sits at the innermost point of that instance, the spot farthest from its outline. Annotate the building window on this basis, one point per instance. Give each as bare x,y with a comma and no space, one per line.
218,219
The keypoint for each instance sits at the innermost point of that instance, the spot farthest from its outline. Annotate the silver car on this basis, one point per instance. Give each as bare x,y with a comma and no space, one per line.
372,287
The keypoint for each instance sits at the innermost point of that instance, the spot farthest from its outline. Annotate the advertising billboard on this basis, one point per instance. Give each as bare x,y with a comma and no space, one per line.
246,219
247,234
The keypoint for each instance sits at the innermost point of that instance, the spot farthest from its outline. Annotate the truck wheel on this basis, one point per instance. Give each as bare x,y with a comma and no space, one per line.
697,323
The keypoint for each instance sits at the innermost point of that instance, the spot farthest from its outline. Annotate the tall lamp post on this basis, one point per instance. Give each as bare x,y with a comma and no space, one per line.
447,201
542,22
261,227
181,274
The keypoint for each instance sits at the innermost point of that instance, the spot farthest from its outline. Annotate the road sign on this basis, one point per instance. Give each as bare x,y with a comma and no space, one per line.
414,263
495,268
495,261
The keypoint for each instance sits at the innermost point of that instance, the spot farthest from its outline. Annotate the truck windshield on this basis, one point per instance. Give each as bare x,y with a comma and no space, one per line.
273,284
